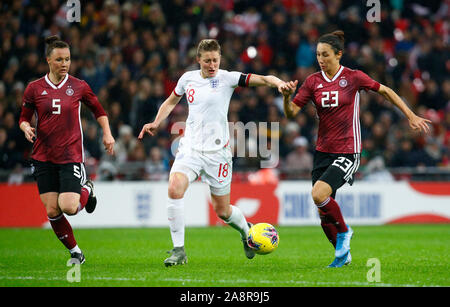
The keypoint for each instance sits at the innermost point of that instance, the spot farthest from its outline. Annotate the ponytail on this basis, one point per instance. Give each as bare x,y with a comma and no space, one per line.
335,39
54,42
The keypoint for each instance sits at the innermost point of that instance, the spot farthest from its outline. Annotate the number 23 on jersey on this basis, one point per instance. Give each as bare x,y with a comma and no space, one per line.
330,99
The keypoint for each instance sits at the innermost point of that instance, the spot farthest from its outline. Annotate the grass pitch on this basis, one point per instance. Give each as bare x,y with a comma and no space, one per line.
407,255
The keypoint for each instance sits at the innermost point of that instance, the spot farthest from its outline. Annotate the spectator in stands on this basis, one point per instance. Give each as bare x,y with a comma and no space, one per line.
143,108
125,144
130,40
408,156
299,160
92,142
156,166
5,152
376,171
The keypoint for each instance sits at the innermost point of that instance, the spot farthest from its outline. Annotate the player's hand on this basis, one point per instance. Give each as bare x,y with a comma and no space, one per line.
108,142
148,128
420,124
288,88
281,86
30,134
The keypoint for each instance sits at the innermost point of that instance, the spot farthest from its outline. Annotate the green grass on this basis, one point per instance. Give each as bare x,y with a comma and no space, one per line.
413,255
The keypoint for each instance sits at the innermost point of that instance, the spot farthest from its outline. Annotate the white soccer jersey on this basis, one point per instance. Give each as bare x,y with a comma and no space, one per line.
208,100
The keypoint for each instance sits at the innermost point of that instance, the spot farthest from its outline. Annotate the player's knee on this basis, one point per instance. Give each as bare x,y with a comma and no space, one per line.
69,207
53,212
176,190
71,211
51,207
319,195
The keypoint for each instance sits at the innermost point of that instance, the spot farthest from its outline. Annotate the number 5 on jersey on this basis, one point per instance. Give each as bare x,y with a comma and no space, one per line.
56,105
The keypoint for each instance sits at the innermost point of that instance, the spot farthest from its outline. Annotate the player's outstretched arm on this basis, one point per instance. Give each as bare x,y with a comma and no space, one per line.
272,81
415,122
163,112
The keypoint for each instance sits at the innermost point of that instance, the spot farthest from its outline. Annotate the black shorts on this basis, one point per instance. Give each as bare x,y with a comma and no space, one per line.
335,169
60,178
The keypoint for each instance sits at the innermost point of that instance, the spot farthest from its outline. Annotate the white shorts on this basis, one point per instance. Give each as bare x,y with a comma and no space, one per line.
214,168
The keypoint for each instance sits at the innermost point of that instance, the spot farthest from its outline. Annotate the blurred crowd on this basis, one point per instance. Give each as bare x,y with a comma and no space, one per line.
132,53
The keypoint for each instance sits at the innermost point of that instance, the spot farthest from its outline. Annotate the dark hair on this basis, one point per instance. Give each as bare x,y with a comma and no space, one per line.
54,42
208,45
334,39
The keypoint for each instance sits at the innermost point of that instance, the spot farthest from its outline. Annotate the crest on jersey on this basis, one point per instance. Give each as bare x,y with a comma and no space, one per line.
214,83
342,83
69,91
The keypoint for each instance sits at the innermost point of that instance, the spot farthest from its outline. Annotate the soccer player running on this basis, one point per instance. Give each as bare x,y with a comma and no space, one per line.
58,155
335,92
204,149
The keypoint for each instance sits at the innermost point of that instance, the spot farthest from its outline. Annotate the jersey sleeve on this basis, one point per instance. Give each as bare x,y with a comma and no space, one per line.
180,87
304,94
365,82
91,101
28,105
236,78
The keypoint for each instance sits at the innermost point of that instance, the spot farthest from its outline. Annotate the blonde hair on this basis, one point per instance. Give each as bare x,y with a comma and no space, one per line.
208,45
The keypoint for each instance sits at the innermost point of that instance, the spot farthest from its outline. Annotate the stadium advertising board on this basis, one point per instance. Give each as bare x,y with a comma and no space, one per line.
143,204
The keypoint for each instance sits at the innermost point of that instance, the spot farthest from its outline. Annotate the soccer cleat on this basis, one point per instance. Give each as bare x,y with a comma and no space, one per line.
249,252
343,242
333,264
177,257
92,200
349,259
340,262
77,258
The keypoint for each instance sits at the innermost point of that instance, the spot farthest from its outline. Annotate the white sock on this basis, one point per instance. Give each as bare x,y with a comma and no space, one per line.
76,249
175,214
237,221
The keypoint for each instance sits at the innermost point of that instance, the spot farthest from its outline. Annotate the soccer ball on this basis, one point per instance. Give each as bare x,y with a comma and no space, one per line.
263,238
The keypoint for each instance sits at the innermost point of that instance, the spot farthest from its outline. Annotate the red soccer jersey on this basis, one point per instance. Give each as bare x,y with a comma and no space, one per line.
337,104
59,136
